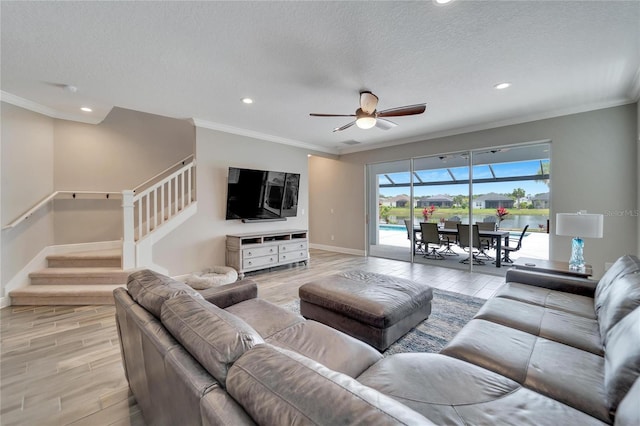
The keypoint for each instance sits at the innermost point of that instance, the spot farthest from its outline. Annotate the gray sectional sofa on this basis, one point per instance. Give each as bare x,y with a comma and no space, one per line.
545,349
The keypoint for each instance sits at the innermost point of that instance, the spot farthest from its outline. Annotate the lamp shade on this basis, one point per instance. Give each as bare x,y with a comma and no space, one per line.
580,225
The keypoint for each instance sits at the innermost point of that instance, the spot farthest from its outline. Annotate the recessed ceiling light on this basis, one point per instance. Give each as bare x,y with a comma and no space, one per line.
86,109
501,86
442,1
247,100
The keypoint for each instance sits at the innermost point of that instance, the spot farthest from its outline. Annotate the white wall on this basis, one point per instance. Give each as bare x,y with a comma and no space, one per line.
27,177
594,167
200,243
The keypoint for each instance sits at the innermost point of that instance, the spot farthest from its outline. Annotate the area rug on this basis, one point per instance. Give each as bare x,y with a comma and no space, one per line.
450,312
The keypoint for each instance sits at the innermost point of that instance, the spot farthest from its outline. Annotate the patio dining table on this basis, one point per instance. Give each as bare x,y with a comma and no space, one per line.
496,236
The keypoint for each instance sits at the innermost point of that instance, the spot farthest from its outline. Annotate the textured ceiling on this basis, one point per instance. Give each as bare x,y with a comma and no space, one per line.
198,59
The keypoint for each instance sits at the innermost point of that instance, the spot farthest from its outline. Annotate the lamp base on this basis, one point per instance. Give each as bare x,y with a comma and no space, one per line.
577,259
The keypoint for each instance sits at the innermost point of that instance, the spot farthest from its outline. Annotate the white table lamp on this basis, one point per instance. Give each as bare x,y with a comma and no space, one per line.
582,224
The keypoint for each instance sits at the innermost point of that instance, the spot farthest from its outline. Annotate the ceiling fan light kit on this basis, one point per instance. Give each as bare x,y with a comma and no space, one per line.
367,116
366,122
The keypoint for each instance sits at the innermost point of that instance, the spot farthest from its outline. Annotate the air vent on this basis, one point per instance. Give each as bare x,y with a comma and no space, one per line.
351,142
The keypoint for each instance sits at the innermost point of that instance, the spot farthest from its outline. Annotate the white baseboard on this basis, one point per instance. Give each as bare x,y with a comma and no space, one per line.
21,279
336,249
4,302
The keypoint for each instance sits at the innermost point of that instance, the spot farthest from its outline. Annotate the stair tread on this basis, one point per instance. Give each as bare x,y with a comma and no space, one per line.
71,271
65,289
96,254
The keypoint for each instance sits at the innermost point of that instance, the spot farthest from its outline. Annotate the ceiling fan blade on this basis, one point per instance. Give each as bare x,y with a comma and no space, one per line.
383,124
346,126
405,110
368,102
332,115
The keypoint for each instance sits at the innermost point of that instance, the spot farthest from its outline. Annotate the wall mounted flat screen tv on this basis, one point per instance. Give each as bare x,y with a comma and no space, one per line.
261,194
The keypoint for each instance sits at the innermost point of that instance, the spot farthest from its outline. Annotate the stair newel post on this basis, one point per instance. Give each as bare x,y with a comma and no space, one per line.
128,243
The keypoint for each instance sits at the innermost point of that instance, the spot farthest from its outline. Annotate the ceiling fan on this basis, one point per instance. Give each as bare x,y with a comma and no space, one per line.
367,116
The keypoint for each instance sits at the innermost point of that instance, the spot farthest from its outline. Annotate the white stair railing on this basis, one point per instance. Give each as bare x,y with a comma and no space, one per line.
149,209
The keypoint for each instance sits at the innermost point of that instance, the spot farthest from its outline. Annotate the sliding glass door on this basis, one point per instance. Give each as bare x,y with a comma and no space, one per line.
505,189
390,195
511,191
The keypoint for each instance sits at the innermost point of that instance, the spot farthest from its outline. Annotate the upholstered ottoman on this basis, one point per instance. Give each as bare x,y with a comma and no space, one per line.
377,309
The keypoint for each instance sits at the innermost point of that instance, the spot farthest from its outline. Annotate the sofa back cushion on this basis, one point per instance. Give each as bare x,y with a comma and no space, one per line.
212,336
622,359
625,265
622,298
150,289
628,412
277,386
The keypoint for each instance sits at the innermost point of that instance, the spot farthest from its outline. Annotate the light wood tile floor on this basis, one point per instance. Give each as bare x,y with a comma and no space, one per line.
61,365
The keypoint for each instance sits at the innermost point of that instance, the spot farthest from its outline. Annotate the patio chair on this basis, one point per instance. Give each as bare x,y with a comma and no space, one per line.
463,241
486,243
430,236
508,249
411,235
450,239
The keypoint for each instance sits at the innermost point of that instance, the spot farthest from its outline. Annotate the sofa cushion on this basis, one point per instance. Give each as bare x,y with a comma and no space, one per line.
621,298
625,265
265,317
331,348
559,326
622,358
449,391
553,299
279,387
628,412
561,372
213,336
150,289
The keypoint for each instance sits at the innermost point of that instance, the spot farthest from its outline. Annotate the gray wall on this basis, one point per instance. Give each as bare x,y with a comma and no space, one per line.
200,242
41,155
123,151
594,168
27,177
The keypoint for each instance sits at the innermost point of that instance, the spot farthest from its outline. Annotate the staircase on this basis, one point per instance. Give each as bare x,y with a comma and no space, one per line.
150,212
86,278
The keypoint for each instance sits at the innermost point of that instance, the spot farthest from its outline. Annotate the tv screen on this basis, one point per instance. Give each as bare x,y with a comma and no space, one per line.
261,194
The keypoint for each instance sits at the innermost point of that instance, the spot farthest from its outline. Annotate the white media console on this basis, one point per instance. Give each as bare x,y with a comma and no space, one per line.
262,250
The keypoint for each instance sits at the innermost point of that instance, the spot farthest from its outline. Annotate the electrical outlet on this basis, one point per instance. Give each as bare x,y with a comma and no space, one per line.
332,238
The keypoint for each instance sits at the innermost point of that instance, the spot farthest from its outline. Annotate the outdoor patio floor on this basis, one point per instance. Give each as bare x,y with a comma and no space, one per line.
396,245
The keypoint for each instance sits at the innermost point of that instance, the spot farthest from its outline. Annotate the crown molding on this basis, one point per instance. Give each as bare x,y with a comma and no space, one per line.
258,135
492,125
44,110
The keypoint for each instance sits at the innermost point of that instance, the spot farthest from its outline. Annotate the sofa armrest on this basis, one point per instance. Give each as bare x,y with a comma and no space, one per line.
230,294
566,283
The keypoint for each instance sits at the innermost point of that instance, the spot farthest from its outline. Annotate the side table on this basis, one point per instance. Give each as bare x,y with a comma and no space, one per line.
552,266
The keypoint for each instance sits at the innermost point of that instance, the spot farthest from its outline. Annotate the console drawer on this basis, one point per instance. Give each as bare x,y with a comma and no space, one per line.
259,251
293,256
288,247
255,262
